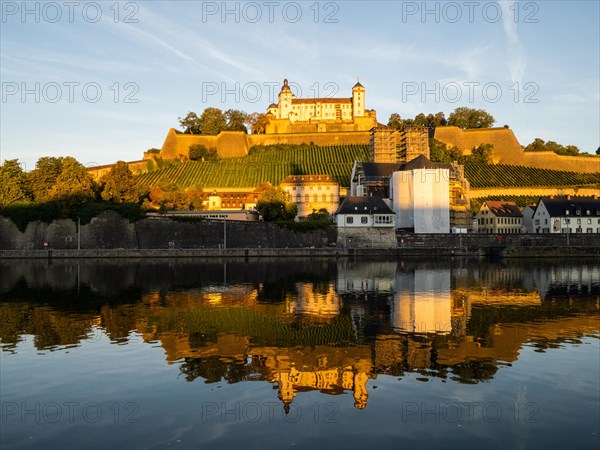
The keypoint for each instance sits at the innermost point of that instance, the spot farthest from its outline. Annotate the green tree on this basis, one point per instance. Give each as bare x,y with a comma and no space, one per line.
14,183
200,152
169,196
274,205
482,154
257,123
74,186
322,215
43,177
598,151
439,152
397,123
213,121
465,118
236,120
119,185
190,123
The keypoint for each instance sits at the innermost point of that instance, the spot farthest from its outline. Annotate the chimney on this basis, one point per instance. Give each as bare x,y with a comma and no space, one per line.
568,196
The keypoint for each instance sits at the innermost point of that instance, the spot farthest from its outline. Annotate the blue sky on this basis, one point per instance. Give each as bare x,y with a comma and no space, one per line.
104,82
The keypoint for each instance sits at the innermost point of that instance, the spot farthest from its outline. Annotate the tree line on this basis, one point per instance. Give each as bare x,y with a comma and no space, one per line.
213,120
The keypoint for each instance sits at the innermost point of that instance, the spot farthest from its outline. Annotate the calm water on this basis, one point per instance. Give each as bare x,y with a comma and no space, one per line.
300,354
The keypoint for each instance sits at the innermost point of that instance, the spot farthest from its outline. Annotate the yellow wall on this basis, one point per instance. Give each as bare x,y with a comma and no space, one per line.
507,149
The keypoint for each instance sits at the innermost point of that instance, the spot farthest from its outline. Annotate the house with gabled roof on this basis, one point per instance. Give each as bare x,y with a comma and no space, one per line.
365,222
567,214
500,217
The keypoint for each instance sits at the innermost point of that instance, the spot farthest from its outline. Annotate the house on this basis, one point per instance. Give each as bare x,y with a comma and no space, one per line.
500,217
567,214
373,179
420,193
312,193
528,218
365,222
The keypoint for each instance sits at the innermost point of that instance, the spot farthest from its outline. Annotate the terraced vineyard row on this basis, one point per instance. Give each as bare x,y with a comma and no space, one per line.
268,164
500,175
274,163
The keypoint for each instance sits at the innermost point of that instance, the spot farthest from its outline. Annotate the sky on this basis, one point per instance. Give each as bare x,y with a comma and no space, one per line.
104,81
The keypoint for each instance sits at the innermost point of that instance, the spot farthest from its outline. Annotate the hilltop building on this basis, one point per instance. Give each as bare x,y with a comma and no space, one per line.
319,115
567,215
499,217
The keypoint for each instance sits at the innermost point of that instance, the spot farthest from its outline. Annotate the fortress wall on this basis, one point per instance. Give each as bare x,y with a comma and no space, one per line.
507,150
135,166
550,160
231,144
178,144
533,191
343,138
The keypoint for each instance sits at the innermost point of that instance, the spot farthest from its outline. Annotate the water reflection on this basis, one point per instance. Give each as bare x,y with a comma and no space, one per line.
302,325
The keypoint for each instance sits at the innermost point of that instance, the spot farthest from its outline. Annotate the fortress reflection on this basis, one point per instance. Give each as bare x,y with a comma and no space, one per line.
330,328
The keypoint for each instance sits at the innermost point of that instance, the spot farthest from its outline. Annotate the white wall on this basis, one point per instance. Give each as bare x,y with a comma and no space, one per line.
421,200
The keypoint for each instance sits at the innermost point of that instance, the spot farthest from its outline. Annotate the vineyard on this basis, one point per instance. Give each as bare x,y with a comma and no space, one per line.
272,164
500,175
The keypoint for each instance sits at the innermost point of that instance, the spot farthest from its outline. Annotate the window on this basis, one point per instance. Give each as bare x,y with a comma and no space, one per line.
364,220
323,198
298,198
383,219
349,219
307,198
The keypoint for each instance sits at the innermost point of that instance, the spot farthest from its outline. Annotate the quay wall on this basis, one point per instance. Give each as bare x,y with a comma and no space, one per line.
111,236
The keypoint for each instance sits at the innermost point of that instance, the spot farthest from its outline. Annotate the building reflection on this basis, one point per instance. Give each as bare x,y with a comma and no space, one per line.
422,302
329,330
313,301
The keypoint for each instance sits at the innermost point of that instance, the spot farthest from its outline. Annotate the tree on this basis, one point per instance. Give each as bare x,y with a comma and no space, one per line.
200,152
322,215
169,196
275,205
482,154
236,120
43,177
538,145
397,123
14,183
257,122
74,186
119,184
439,152
598,151
190,123
212,121
465,118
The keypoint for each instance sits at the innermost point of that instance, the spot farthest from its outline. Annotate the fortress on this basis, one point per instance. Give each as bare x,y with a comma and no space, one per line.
346,120
319,115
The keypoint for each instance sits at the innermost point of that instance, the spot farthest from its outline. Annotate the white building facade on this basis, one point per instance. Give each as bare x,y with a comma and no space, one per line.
420,193
567,215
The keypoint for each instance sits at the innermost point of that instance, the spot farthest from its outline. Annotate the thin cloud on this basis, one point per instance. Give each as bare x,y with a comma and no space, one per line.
516,51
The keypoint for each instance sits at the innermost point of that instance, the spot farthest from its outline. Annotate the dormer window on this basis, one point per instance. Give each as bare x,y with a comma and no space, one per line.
578,212
566,212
